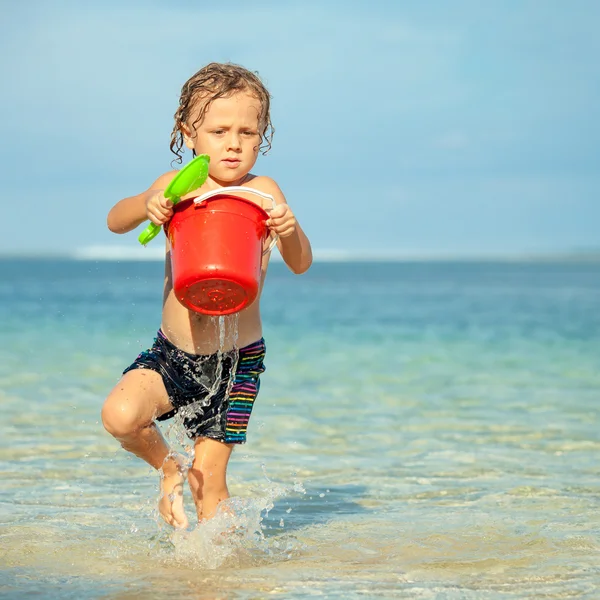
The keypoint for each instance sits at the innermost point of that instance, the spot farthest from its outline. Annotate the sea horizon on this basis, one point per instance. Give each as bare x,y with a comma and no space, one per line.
133,253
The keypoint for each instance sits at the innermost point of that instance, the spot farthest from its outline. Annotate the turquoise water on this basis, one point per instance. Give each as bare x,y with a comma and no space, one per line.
423,431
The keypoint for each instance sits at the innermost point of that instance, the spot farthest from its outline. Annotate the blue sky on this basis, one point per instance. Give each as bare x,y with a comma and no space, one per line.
402,128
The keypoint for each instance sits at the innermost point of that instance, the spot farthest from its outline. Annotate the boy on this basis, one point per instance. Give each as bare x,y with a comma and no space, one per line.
224,111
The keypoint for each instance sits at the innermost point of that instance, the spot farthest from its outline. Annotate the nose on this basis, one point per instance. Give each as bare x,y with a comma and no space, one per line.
234,141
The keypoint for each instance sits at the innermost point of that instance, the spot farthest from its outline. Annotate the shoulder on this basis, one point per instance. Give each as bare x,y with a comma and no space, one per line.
163,180
266,185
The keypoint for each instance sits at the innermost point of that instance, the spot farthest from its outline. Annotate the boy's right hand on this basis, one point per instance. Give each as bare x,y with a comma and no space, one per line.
158,208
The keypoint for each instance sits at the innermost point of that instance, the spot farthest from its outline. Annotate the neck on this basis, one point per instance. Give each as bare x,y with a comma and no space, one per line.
239,181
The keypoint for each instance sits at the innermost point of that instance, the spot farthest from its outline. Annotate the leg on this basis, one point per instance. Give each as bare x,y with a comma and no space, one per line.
207,477
128,414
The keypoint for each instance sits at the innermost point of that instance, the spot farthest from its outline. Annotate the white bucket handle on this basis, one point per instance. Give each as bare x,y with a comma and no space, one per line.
241,188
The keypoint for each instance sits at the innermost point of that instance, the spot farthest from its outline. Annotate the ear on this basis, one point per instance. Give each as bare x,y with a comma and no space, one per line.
187,137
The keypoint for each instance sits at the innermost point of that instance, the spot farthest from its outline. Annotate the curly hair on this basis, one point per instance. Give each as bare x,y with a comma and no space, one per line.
220,80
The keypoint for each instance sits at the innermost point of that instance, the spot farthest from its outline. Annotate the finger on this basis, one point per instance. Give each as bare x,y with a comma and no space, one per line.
283,224
157,218
278,211
277,221
158,209
154,211
161,204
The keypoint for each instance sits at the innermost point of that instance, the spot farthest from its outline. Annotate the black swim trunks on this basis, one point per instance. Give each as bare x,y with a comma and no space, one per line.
211,402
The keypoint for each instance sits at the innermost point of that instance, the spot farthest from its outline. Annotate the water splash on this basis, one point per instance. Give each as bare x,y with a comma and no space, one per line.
235,536
209,375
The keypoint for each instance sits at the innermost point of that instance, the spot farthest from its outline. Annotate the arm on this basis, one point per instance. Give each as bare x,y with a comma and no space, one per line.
295,249
151,204
293,243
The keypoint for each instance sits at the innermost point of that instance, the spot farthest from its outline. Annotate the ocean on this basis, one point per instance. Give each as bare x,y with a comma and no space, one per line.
423,430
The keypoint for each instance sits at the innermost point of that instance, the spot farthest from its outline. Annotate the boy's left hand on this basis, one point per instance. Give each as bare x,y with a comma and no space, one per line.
282,221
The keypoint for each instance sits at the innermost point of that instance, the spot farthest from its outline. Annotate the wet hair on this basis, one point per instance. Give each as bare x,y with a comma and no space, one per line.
220,80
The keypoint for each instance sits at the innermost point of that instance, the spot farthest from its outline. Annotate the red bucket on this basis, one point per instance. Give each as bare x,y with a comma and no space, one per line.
216,251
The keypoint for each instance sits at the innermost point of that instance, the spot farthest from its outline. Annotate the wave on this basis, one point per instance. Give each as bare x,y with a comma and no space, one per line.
139,252
321,255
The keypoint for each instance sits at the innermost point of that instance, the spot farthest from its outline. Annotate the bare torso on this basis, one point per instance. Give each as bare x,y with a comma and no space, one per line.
196,333
202,334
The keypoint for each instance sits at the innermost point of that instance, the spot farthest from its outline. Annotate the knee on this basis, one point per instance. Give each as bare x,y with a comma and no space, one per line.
121,418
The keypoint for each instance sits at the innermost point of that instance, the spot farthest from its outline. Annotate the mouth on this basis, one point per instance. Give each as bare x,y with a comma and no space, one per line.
231,162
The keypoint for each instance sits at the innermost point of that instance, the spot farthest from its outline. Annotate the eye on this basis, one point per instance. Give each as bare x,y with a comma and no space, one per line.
219,131
249,133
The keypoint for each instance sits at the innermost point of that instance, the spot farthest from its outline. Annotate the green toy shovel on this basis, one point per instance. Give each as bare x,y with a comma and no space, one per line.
190,178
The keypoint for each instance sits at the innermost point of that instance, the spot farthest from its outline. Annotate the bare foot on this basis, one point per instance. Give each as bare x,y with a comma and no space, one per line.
170,504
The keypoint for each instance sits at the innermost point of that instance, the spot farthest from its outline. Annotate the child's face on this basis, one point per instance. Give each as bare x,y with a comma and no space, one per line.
229,134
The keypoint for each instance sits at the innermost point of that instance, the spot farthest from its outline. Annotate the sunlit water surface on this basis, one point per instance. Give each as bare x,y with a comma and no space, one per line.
422,431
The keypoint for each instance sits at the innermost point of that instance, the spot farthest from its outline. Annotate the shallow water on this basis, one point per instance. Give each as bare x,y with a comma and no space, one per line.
423,431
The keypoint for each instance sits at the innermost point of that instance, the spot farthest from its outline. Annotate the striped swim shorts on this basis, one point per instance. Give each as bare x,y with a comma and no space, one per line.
213,394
